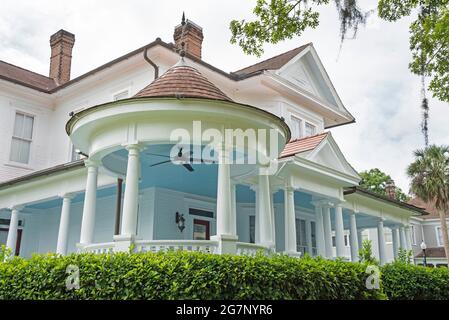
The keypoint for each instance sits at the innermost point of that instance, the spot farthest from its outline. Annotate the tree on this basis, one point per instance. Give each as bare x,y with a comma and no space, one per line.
430,182
376,181
278,20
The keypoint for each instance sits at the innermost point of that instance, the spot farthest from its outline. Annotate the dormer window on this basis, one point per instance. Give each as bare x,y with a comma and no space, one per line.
296,127
310,129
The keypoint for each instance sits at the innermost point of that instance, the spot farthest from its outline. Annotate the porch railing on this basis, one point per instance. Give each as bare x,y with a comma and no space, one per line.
250,249
207,246
105,247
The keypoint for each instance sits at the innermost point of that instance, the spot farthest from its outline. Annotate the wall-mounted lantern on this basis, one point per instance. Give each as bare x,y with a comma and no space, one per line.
180,221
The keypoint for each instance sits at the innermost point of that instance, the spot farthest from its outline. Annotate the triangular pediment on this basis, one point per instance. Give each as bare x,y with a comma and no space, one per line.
307,72
328,154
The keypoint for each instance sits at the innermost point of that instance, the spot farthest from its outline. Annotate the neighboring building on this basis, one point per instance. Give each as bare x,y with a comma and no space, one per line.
122,115
427,228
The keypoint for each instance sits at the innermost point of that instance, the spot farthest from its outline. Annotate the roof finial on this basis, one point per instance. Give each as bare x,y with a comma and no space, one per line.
183,20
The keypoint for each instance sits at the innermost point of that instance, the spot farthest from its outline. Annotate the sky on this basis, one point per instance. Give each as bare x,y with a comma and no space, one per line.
370,73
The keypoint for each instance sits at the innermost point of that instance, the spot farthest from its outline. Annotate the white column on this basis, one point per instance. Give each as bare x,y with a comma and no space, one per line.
224,198
64,223
339,231
234,209
353,235
309,237
381,242
273,217
90,202
408,238
290,219
131,196
395,238
327,231
321,249
264,206
13,229
403,241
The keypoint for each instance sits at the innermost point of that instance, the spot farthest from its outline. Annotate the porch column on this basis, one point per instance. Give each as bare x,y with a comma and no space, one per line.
309,237
327,231
131,197
13,229
273,216
321,248
290,219
264,206
339,231
381,242
225,235
402,239
64,223
353,235
408,238
395,238
234,209
90,202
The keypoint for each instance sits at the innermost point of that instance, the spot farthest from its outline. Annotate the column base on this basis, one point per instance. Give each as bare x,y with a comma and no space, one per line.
226,243
123,243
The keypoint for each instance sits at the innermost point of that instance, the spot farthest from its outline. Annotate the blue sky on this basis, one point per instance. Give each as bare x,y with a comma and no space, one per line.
370,75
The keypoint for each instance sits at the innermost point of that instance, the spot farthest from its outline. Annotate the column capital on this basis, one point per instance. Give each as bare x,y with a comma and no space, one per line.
16,208
133,146
88,163
254,187
67,195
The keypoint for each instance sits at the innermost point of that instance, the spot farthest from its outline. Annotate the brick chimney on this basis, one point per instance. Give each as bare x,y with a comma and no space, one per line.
390,190
191,35
61,44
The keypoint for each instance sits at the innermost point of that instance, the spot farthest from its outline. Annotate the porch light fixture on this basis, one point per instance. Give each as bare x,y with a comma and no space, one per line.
423,248
180,221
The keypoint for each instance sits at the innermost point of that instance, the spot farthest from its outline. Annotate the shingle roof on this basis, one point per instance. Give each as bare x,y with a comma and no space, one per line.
273,63
182,81
25,77
428,207
433,253
301,145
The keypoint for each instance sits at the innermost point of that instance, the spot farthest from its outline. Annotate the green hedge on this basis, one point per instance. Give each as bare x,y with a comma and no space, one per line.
408,282
184,275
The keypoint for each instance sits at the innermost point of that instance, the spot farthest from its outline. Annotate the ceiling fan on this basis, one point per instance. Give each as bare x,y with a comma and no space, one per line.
183,158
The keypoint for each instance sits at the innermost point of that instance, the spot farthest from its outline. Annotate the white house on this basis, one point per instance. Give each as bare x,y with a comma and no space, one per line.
303,198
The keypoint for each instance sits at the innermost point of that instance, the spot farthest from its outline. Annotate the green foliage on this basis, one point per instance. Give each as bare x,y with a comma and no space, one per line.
366,253
404,256
5,253
408,282
430,182
376,180
184,275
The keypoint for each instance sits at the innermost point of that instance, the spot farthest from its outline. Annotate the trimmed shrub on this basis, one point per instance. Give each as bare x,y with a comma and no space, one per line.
403,281
183,275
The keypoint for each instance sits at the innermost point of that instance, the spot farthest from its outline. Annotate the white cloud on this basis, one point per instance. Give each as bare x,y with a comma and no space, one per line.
371,74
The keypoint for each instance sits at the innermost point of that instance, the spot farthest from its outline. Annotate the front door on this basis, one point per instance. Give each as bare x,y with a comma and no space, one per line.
4,237
201,229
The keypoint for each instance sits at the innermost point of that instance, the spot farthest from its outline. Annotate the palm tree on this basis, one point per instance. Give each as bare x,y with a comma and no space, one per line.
430,182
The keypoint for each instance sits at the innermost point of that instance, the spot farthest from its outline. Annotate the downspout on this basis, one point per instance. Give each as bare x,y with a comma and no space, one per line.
147,59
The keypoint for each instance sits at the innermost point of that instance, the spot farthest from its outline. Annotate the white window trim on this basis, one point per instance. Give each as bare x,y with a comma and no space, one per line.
16,164
312,125
301,126
437,236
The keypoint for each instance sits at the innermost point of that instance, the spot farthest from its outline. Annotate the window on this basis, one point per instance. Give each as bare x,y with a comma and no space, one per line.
346,240
388,236
296,127
301,239
310,129
252,229
121,95
22,138
439,236
74,156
